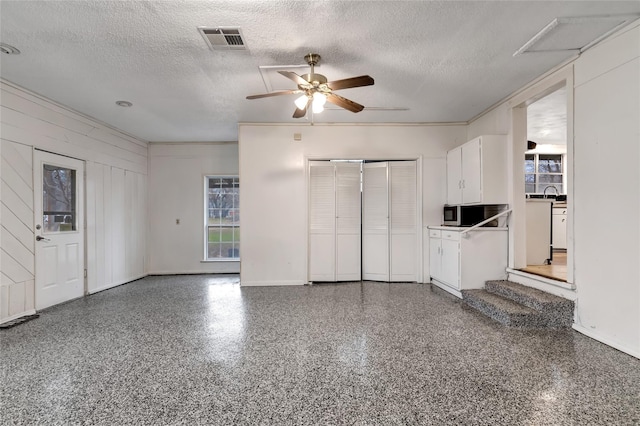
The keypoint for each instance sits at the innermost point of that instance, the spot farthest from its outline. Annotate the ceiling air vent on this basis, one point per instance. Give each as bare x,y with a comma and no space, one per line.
223,38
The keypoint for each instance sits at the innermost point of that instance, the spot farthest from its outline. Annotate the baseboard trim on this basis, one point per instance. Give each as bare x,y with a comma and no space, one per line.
604,340
16,316
447,288
197,272
270,283
116,284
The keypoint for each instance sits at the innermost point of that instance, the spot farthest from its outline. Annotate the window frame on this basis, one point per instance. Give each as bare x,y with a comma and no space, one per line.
207,226
536,173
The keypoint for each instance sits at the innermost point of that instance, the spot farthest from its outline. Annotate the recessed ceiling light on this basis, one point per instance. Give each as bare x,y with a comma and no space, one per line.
125,104
8,49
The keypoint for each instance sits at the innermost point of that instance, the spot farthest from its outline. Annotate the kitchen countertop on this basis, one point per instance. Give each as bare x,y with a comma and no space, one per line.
540,200
462,228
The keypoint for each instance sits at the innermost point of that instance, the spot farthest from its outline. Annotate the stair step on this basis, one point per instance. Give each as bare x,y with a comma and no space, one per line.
503,310
558,310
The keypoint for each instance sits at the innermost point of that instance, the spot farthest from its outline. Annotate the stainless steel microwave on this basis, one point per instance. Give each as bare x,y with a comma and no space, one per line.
470,215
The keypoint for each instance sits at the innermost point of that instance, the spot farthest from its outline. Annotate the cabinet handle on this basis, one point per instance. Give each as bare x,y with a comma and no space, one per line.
463,186
563,220
459,184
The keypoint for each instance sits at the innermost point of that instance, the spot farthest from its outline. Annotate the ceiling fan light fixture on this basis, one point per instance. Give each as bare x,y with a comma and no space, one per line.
317,108
319,99
317,90
301,102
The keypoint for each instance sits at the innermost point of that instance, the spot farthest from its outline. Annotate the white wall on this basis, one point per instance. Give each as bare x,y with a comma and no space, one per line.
176,191
273,197
116,167
605,253
607,155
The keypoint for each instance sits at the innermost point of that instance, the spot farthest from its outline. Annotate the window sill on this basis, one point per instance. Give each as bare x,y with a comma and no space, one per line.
218,260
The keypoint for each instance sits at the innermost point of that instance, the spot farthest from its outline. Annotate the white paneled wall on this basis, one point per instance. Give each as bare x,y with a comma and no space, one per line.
17,239
116,169
116,218
607,151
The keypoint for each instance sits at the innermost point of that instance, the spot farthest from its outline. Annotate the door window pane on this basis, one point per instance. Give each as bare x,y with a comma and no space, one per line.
58,199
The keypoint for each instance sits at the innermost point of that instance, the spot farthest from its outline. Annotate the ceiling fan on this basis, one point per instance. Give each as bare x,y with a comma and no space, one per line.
316,90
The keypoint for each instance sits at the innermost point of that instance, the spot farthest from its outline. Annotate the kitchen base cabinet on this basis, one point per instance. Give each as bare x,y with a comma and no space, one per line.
538,231
462,261
559,226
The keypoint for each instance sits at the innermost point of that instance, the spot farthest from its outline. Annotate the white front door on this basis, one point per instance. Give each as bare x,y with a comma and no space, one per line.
59,224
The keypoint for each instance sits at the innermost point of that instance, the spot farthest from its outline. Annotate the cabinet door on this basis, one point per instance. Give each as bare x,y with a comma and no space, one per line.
472,172
435,258
450,272
454,176
559,223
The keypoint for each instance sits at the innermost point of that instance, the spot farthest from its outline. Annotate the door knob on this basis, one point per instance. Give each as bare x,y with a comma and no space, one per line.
40,238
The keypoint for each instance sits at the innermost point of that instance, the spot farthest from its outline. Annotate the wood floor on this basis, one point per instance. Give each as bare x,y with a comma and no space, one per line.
556,271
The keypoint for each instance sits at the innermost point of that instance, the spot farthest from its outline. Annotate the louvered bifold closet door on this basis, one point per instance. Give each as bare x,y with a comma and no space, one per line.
375,222
348,218
403,220
322,221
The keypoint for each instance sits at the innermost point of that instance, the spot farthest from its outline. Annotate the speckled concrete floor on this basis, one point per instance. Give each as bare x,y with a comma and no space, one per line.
203,350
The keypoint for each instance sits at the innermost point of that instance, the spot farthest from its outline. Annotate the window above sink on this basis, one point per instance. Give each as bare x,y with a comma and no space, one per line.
544,175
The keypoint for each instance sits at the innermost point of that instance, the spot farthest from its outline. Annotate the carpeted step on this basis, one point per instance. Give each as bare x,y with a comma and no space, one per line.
503,310
558,310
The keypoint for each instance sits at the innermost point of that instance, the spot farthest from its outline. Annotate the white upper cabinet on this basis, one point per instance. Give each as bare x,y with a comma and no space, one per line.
477,172
454,176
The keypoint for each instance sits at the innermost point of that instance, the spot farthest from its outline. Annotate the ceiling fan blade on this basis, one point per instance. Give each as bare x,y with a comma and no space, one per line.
344,102
363,80
278,93
299,113
295,77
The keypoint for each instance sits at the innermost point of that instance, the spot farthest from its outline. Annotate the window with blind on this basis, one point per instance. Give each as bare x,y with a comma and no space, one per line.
222,218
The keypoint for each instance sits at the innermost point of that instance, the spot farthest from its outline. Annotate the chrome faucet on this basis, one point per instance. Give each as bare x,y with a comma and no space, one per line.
544,193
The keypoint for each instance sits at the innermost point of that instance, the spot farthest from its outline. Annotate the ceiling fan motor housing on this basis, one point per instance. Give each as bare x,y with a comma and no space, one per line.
315,79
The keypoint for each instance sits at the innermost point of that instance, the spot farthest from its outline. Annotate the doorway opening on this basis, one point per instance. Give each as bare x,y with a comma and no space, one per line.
547,183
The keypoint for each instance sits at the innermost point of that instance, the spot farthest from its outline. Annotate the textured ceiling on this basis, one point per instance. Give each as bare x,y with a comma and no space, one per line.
547,119
434,61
